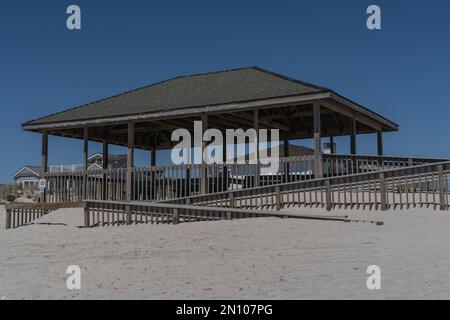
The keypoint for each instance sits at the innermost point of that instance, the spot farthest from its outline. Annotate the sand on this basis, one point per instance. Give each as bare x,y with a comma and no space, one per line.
263,258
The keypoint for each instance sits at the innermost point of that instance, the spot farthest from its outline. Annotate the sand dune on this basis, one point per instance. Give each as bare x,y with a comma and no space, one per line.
260,258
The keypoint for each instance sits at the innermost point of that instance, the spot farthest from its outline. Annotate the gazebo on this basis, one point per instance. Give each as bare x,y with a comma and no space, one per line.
241,98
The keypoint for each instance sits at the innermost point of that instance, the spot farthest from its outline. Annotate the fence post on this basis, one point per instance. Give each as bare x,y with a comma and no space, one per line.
278,198
328,195
128,212
231,196
129,185
383,192
318,166
228,216
83,186
257,174
87,223
8,219
176,216
441,187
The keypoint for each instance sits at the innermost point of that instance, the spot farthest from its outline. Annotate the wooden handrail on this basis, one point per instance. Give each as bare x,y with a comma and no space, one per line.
355,178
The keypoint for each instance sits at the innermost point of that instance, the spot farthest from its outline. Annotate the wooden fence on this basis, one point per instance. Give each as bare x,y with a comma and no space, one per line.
172,182
112,213
19,214
423,185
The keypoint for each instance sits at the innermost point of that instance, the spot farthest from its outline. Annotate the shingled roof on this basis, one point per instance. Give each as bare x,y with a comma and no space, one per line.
232,86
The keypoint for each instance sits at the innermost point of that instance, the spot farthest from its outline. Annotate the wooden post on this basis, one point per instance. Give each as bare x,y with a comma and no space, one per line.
328,203
153,157
318,167
225,167
85,148
353,136
44,161
231,197
87,222
286,155
85,161
332,149
383,192
256,127
130,162
331,159
277,198
128,214
203,174
105,161
8,219
105,155
442,188
176,216
227,215
44,154
380,142
152,174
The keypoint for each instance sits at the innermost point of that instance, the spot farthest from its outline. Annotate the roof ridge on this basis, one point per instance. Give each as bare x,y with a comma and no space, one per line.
281,76
137,89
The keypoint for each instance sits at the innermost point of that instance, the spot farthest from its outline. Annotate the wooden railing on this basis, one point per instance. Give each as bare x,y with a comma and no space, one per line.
347,164
113,213
172,182
422,185
19,214
106,213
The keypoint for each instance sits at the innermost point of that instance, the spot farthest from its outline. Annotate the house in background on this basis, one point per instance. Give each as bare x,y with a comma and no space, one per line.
28,176
95,162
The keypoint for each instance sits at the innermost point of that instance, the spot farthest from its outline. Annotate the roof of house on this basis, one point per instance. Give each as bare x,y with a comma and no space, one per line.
237,85
294,151
27,171
114,160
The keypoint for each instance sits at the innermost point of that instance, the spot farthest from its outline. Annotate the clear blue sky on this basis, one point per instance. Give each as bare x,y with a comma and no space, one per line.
401,72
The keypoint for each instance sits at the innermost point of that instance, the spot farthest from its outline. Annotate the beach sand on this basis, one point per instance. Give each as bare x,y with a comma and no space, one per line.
262,258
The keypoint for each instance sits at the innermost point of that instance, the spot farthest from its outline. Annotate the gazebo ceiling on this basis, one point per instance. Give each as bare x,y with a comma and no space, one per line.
228,98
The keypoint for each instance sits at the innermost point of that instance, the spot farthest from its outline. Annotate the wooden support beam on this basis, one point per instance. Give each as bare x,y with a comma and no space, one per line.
130,161
353,136
268,123
85,148
341,109
380,142
105,154
286,154
203,173
317,129
225,168
256,127
153,157
105,162
44,153
44,161
318,167
332,148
